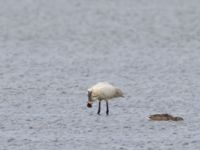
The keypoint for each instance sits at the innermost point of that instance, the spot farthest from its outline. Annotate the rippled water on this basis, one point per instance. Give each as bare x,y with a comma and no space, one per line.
52,51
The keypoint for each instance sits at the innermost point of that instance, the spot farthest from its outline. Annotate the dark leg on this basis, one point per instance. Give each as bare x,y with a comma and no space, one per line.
99,108
107,108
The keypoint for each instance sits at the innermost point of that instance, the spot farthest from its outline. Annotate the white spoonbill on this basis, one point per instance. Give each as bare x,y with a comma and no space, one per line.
102,91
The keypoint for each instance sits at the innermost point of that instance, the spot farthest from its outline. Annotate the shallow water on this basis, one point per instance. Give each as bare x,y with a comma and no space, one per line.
51,52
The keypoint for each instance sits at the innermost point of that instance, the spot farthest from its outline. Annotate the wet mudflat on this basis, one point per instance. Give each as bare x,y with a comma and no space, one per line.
51,52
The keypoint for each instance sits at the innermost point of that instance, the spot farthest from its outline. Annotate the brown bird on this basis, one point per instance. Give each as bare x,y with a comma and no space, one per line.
164,117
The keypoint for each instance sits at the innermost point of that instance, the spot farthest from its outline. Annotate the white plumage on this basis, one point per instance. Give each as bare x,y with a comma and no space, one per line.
102,91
